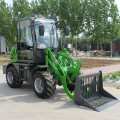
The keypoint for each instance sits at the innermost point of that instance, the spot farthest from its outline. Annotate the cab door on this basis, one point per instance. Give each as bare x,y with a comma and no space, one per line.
25,40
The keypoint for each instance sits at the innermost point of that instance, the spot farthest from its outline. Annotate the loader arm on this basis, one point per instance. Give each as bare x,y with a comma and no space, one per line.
63,68
86,90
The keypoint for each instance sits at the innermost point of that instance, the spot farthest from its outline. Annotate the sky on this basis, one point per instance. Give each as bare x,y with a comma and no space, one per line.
10,1
116,1
118,4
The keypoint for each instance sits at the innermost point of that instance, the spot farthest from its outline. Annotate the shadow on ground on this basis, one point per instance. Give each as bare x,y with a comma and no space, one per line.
25,94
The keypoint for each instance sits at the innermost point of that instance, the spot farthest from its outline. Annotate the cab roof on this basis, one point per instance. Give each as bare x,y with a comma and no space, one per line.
37,19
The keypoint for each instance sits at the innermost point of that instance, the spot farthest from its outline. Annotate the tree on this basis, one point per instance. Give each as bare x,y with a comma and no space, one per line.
114,22
21,8
39,7
6,24
98,20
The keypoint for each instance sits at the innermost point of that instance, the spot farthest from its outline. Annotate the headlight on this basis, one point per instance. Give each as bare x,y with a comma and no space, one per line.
41,46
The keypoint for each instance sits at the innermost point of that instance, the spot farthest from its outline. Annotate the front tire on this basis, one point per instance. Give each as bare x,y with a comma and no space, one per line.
12,78
44,84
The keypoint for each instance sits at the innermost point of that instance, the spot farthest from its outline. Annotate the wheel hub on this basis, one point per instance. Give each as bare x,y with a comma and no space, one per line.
38,84
10,77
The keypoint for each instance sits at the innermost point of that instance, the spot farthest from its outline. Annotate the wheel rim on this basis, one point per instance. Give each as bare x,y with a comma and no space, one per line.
38,84
10,77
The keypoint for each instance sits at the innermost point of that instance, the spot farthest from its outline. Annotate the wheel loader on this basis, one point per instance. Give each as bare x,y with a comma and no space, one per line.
37,59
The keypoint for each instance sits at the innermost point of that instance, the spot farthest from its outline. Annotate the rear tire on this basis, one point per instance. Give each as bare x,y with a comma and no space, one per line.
44,84
12,78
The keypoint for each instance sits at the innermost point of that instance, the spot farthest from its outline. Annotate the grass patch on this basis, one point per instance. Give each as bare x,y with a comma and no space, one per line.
113,76
118,87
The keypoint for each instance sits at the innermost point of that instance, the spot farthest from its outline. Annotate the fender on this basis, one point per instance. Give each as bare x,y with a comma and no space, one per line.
6,66
39,68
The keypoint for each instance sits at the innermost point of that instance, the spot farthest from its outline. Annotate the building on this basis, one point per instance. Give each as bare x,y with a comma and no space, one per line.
2,45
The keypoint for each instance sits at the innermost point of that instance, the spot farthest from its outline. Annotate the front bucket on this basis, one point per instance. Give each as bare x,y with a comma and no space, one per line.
89,92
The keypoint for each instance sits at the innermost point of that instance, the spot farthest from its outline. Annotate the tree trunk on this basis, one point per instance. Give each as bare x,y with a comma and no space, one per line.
90,45
72,46
111,46
76,45
101,48
97,46
61,41
64,41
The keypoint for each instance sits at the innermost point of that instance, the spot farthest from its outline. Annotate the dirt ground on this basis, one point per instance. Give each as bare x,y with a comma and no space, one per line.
94,63
86,63
4,59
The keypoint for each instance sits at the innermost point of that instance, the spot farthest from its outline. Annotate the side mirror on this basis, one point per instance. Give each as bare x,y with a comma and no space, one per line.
41,30
66,31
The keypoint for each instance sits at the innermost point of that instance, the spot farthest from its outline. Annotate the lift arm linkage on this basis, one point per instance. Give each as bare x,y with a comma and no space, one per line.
64,68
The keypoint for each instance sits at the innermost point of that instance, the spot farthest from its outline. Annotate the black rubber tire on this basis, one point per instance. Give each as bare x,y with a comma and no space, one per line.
49,84
16,82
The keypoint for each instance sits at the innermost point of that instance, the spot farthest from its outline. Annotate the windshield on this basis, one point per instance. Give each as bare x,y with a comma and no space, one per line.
50,36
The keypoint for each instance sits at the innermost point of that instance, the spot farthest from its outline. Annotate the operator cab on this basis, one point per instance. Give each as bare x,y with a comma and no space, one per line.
33,37
46,34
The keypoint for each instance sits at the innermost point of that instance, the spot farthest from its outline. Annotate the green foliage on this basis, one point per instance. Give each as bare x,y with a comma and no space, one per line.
21,8
98,20
114,76
102,21
106,76
9,16
118,87
6,23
